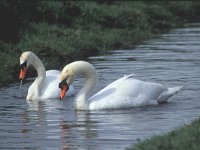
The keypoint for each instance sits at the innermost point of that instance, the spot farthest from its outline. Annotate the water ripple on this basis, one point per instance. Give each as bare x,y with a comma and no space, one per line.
171,59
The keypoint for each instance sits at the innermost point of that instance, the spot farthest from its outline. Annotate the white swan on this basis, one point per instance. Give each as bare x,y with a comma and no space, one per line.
45,85
122,93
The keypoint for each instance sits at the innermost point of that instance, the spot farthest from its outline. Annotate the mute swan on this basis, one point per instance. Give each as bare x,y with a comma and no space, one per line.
123,93
45,85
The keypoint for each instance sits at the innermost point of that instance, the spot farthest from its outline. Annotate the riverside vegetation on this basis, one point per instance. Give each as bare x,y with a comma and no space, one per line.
185,138
60,32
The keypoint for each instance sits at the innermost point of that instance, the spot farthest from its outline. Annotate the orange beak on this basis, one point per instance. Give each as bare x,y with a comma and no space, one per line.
22,73
63,91
64,88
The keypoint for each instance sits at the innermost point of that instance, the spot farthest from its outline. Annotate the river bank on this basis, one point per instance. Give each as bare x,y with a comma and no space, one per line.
76,30
184,138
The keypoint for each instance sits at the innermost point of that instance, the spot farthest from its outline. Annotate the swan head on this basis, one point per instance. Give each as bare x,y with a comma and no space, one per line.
25,61
66,79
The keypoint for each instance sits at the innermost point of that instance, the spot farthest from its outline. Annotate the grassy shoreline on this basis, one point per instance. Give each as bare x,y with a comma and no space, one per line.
184,138
61,32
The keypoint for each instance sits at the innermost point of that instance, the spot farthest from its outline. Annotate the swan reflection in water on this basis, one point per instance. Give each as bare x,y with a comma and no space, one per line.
58,120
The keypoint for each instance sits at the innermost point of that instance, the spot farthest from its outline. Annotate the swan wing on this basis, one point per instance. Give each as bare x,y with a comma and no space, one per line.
53,73
50,89
109,89
129,92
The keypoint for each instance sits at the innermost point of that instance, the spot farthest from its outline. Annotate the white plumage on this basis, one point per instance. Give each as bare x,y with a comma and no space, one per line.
123,93
45,85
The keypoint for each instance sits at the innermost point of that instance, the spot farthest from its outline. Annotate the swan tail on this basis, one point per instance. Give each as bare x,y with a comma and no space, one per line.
129,76
168,93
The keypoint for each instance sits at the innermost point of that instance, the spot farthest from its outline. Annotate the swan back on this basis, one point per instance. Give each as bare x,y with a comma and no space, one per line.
122,93
130,92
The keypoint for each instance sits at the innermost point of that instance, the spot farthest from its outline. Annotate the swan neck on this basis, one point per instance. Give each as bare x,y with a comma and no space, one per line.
89,85
38,65
90,75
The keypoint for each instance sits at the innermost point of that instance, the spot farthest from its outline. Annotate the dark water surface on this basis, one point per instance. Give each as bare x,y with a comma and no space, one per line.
171,59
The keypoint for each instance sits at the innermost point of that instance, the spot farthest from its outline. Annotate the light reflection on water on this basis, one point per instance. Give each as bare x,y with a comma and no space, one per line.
171,59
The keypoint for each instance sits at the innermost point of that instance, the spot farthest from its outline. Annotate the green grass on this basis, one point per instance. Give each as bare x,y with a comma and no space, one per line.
60,32
8,63
185,138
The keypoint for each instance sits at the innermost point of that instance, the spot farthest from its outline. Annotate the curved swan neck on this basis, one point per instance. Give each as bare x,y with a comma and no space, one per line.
90,75
38,65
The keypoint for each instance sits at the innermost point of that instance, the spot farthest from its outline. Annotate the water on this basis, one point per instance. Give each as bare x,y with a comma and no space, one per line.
171,59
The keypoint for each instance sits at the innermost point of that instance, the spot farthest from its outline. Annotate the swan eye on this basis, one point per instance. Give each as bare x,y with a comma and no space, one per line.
63,83
23,65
